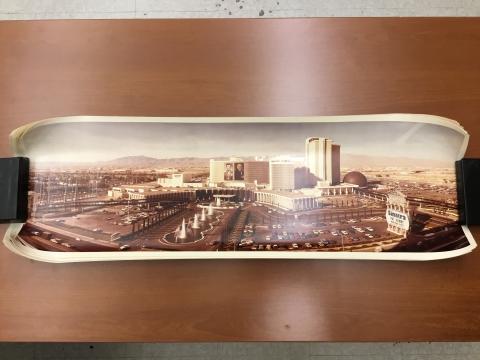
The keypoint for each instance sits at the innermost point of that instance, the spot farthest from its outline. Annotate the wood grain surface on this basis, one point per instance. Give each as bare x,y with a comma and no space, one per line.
287,67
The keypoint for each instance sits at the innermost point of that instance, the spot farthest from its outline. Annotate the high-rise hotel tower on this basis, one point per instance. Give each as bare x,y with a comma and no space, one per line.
282,175
322,158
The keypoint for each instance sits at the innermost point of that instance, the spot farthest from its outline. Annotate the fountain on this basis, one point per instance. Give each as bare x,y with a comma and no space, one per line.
183,231
195,224
192,229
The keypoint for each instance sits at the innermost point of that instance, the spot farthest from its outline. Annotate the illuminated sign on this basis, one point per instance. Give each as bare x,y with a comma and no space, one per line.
398,219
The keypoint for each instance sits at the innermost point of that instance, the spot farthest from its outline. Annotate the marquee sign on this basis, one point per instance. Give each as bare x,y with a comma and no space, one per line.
397,214
398,219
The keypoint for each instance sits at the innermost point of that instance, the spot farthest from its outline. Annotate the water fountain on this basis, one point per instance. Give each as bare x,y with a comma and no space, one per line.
182,234
193,229
195,224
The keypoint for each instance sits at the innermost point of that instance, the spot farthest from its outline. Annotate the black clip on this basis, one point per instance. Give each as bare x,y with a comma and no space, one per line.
468,191
14,189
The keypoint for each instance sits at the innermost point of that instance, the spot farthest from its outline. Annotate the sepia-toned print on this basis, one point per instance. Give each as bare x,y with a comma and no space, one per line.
280,186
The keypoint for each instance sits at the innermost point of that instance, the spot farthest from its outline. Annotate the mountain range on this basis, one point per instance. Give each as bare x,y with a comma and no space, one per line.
353,161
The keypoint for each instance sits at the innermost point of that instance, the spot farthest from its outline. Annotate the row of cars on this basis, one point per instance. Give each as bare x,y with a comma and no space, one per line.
48,236
280,239
346,232
289,235
247,236
250,245
129,219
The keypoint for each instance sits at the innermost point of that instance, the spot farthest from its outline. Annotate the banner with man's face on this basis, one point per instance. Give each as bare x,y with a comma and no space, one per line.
239,171
228,172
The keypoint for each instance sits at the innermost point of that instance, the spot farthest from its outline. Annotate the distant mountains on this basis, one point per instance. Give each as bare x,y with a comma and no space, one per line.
145,162
365,161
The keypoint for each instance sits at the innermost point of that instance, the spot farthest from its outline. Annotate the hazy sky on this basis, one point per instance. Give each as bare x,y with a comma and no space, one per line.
87,141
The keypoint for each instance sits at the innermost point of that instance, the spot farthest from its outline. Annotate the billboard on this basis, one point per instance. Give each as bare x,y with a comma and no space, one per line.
234,171
398,219
239,172
228,172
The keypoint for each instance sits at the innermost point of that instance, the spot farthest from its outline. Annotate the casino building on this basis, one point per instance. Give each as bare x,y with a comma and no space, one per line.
322,158
282,175
285,200
149,192
179,180
355,178
303,199
257,172
290,183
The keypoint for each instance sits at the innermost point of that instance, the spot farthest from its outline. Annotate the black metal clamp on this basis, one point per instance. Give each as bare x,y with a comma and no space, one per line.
14,189
468,191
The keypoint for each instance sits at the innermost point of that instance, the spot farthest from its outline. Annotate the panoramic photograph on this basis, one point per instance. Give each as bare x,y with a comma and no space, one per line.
370,186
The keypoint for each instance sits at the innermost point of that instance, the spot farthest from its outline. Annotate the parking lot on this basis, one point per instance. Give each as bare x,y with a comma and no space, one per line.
303,234
104,223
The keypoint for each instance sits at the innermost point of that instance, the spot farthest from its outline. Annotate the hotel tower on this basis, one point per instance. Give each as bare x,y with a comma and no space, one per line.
322,158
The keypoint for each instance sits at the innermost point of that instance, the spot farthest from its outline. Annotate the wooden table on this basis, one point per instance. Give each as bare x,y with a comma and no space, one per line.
240,68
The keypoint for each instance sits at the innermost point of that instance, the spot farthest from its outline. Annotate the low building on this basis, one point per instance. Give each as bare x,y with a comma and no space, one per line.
293,201
150,192
179,180
355,177
327,190
123,191
163,195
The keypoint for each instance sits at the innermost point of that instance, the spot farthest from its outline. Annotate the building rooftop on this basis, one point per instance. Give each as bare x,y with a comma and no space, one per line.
145,186
291,195
355,177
